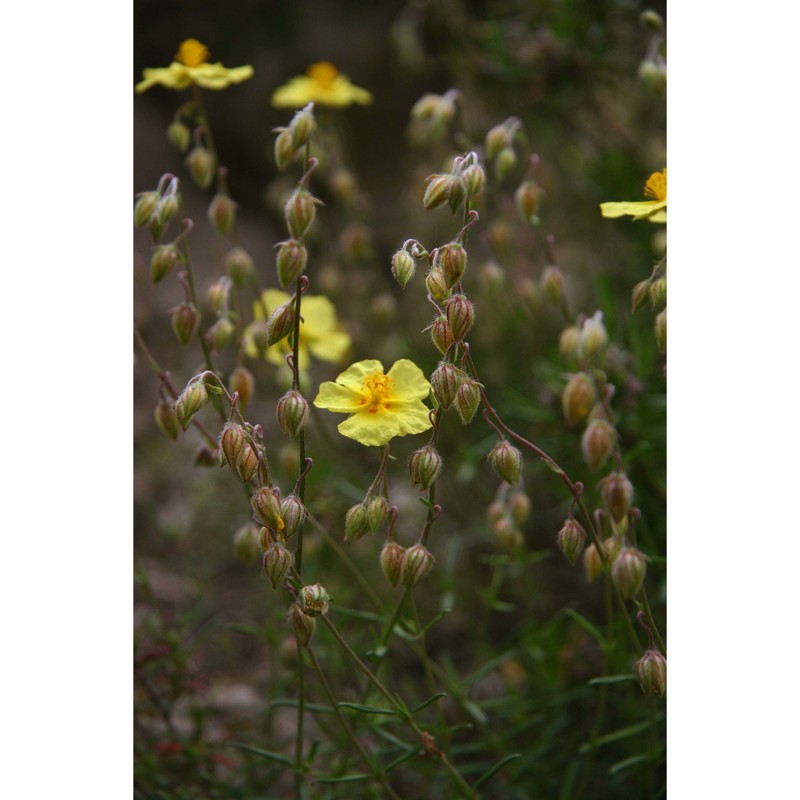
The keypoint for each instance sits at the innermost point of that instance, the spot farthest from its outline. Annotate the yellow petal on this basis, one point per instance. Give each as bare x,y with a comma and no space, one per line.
355,375
339,399
216,76
659,216
372,430
408,381
640,209
318,313
332,347
175,76
413,417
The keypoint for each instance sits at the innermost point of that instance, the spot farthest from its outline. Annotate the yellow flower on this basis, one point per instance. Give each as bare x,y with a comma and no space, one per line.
319,330
381,406
654,210
322,84
191,67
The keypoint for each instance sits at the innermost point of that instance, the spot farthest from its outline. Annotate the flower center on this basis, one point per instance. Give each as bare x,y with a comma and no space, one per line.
323,73
376,390
656,186
192,53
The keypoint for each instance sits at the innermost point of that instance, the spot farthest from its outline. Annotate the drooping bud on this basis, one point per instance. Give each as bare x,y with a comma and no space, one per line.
553,283
628,571
185,320
441,335
657,292
168,208
436,284
617,493
292,413
293,514
578,398
239,265
594,338
202,166
468,398
356,523
661,331
572,539
144,208
528,198
280,323
302,126
592,563
220,334
460,315
391,559
569,342
506,461
266,504
179,135
245,543
520,507
416,563
453,261
377,511
314,600
424,466
436,191
300,212
456,192
219,294
222,213
248,464
301,624
506,161
291,261
191,400
285,153
651,672
640,295
474,177
266,538
232,443
597,443
445,381
242,382
277,561
496,139
167,420
508,536
403,267
164,258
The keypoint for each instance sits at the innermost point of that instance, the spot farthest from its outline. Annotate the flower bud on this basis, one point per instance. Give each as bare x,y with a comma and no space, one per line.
220,334
436,284
258,333
578,398
202,166
164,258
553,283
592,563
293,513
266,504
453,261
291,261
245,543
572,539
569,342
594,338
356,523
144,208
185,320
219,294
222,213
496,139
424,466
639,295
657,293
248,464
651,672
242,382
232,443
167,420
301,624
344,186
506,461
277,561
617,493
302,126
654,75
416,563
441,335
474,178
391,559
314,600
377,511
445,381
598,442
528,198
280,323
456,192
520,507
436,192
191,400
628,571
292,413
506,161
460,315
239,265
168,208
179,135
403,267
661,331
652,20
508,536
285,152
468,398
299,212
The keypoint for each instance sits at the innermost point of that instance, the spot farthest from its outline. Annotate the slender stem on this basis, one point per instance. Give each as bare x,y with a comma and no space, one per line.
298,742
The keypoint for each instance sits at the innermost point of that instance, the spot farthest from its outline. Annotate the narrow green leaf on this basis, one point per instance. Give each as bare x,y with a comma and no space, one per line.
367,709
627,678
430,700
622,733
410,754
498,766
584,623
358,776
268,754
621,766
288,702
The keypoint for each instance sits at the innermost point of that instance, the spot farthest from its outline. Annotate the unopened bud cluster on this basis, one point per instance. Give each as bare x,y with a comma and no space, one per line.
155,209
465,181
290,140
500,146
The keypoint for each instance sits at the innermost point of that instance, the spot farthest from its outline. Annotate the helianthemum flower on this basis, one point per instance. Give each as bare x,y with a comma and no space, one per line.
381,405
322,84
654,210
191,67
320,335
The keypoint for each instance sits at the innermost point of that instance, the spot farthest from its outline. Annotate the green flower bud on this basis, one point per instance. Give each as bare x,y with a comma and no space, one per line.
356,523
144,208
506,461
436,284
424,466
437,191
285,152
468,398
640,295
652,20
202,166
496,140
617,493
391,559
301,624
302,126
651,672
169,206
219,294
220,334
300,212
553,283
403,267
292,413
164,258
452,258
528,199
628,571
266,505
445,381
245,543
239,265
592,563
572,539
474,178
597,443
657,292
293,513
460,315
191,400
291,261
314,600
222,213
280,323
233,443
578,398
179,135
441,335
167,420
569,342
506,161
277,561
185,320
416,563
242,382
377,511
456,192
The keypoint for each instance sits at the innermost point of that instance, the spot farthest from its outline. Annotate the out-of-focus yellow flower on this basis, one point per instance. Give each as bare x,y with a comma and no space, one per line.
322,84
654,210
191,67
381,406
320,335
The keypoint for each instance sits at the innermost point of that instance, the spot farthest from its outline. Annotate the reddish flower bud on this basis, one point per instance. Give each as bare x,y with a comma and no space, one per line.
468,398
460,315
300,212
592,563
167,419
528,198
185,319
416,563
506,461
232,443
280,323
391,559
628,571
441,335
277,561
202,166
293,514
247,464
474,178
617,493
164,258
445,381
292,412
301,624
424,466
651,672
452,259
578,398
572,539
291,261
222,213
242,382
597,443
